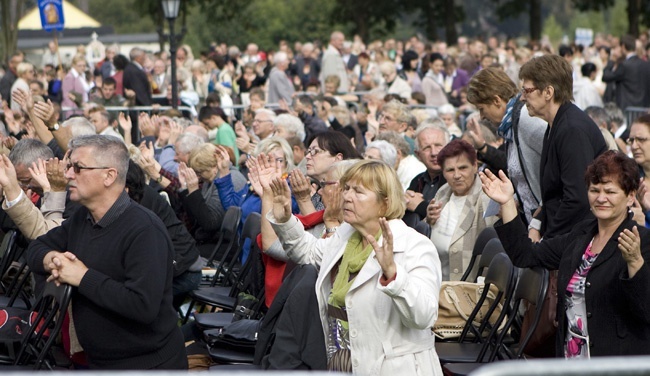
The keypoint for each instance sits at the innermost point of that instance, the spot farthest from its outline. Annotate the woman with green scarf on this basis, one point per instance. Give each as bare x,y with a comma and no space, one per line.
379,280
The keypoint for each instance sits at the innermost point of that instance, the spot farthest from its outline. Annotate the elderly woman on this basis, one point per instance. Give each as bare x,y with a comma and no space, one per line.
278,151
383,151
571,143
200,197
456,213
322,223
497,99
640,148
379,280
603,275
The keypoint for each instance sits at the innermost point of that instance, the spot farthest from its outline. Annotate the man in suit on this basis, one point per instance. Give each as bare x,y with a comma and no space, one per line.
631,76
135,78
333,64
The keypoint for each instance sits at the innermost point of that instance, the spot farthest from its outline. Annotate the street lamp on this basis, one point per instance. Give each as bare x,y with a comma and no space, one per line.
171,8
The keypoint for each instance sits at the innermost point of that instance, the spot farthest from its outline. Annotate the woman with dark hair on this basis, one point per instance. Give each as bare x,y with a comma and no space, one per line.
325,149
603,274
640,148
456,214
409,70
120,62
432,83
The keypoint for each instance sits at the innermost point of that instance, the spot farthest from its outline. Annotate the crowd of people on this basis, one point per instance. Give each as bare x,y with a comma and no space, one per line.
380,164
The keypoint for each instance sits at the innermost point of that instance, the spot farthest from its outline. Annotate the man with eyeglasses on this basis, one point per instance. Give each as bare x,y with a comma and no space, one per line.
119,259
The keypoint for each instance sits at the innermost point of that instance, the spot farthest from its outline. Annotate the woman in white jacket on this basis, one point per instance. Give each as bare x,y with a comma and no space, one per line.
379,279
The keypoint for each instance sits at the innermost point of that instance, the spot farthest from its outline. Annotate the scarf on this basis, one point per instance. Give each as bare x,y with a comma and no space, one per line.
354,257
505,129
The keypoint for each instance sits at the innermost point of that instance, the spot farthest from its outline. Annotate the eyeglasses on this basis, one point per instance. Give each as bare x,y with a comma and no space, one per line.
639,140
527,90
77,169
315,151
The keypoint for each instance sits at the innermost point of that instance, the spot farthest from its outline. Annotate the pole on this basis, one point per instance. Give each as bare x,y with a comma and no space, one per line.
172,51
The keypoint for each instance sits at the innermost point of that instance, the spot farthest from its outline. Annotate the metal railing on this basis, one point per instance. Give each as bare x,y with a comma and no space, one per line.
600,366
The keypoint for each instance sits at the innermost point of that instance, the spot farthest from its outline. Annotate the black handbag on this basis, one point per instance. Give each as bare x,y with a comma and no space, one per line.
239,335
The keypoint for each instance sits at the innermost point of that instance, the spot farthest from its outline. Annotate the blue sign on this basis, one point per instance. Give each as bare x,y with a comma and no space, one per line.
51,12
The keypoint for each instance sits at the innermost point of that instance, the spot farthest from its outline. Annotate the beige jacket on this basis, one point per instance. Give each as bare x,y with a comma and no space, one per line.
33,222
469,226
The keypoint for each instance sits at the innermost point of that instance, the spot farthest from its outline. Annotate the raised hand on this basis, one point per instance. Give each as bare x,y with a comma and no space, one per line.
147,127
281,200
55,169
38,171
125,122
45,111
629,243
23,99
475,132
334,209
300,185
191,179
8,178
643,195
223,160
175,131
498,188
433,211
384,252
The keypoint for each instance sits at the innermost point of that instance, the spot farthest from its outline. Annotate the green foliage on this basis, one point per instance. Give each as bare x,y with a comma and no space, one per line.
618,23
123,21
553,30
591,20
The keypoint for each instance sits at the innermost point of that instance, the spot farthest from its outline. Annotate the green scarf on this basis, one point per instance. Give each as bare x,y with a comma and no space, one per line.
354,257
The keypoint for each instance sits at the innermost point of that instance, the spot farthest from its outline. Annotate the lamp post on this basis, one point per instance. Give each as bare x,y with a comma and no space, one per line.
171,8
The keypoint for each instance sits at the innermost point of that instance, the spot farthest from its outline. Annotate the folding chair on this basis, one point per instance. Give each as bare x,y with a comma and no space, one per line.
500,274
482,239
531,287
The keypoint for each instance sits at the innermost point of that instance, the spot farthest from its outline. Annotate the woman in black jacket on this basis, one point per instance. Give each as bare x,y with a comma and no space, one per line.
603,273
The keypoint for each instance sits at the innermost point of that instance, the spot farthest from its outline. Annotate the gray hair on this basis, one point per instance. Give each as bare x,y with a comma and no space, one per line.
341,167
397,140
266,111
267,145
80,126
434,123
188,142
387,151
446,109
135,53
280,57
108,151
615,113
292,124
28,151
599,115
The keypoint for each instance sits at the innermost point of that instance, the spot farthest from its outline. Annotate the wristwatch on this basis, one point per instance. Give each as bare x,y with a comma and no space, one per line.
330,230
54,128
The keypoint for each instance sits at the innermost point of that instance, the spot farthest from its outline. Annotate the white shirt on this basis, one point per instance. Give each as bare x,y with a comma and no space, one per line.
408,169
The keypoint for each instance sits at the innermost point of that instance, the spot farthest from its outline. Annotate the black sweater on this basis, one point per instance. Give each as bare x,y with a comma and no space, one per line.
122,308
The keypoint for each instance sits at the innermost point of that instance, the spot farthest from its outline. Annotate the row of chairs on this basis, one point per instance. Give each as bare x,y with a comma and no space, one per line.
41,318
487,340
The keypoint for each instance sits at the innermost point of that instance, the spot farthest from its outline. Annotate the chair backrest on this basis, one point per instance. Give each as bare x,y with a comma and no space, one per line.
16,288
482,239
252,227
50,311
500,274
492,248
532,284
8,252
227,234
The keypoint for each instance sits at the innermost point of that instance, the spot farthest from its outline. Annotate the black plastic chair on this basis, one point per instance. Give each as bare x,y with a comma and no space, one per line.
500,274
531,287
492,248
47,319
8,254
227,235
223,297
482,239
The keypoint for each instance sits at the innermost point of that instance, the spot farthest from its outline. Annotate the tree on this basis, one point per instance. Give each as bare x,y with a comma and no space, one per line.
637,11
362,14
513,8
11,11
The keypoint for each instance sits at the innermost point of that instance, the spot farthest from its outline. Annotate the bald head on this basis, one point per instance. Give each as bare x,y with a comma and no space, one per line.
336,39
